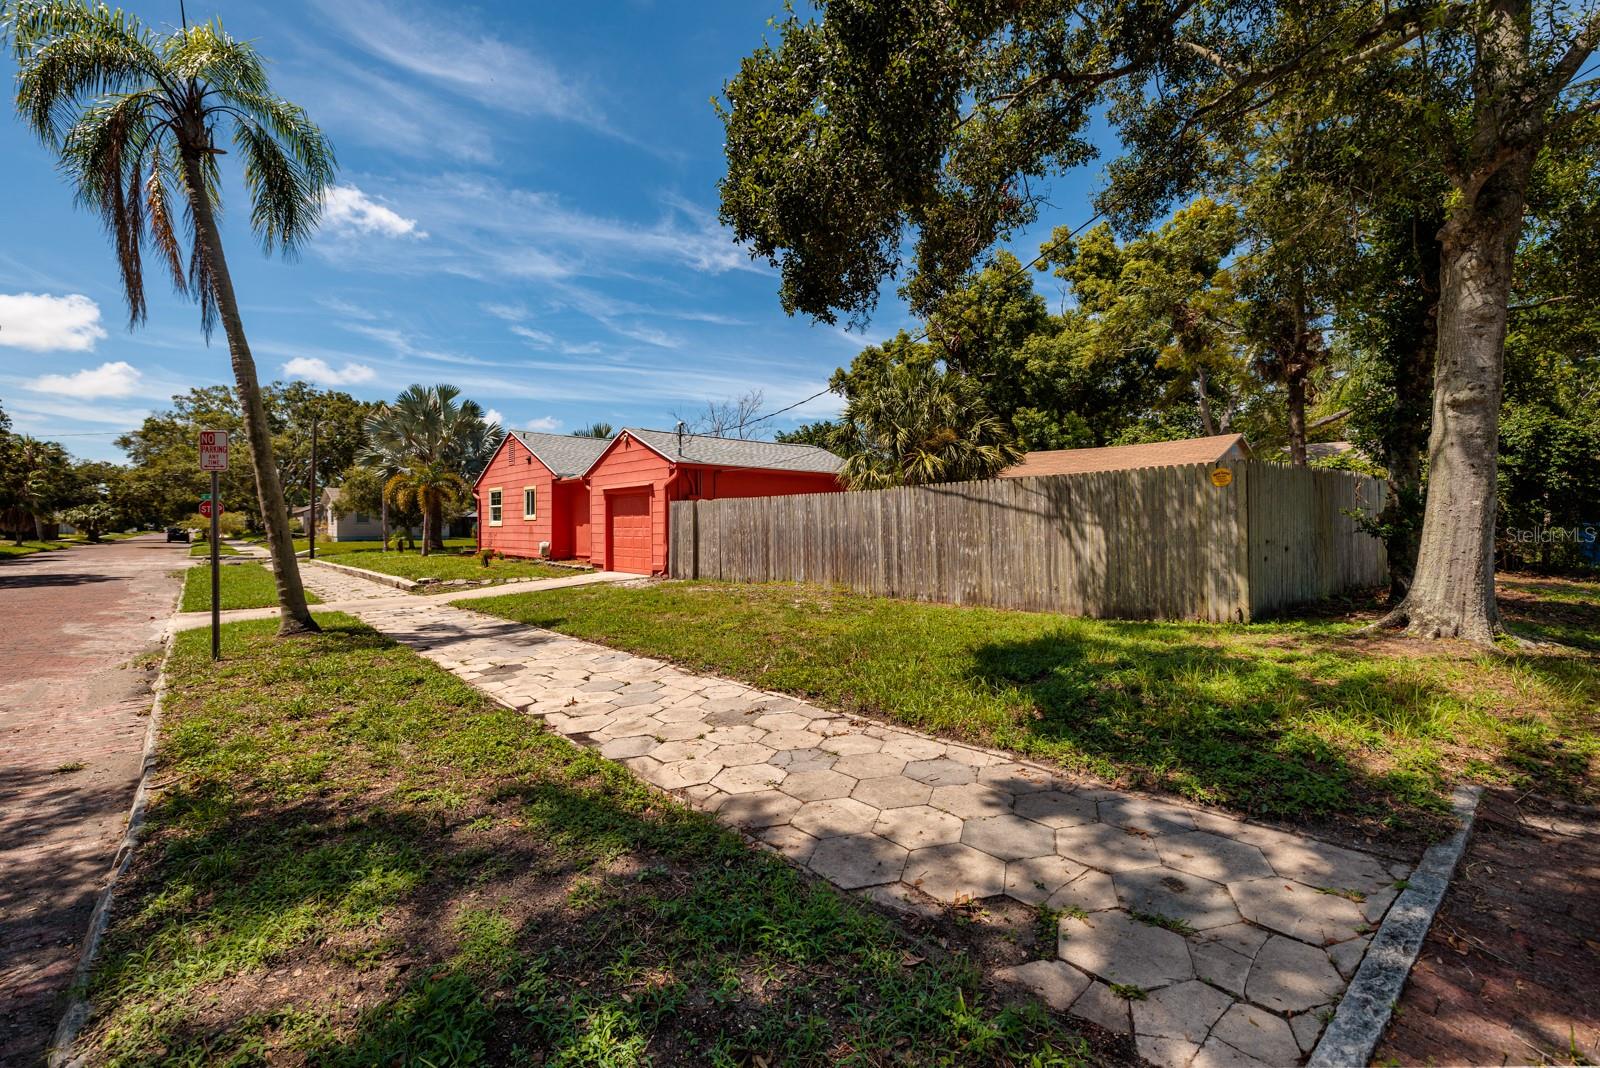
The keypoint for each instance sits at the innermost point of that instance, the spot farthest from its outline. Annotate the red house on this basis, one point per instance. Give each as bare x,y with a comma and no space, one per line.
606,501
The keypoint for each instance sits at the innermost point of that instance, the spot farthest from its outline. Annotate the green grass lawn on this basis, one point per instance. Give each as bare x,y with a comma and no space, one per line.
338,548
450,564
357,859
1303,720
81,539
11,550
201,548
247,585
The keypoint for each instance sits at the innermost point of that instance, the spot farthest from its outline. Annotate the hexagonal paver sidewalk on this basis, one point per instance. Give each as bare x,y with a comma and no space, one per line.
1210,940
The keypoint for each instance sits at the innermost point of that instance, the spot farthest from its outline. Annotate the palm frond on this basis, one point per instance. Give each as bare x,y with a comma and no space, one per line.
283,206
162,233
207,54
101,155
134,113
70,53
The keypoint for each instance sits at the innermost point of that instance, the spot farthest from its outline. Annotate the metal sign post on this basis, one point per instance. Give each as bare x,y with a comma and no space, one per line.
311,513
214,458
216,576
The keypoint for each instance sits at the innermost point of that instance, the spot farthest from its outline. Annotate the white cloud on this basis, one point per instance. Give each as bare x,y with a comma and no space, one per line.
42,323
314,369
344,307
511,313
118,379
536,337
647,334
397,115
478,66
493,416
344,207
548,424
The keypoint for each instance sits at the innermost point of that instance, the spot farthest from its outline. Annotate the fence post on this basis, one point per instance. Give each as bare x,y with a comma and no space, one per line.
694,539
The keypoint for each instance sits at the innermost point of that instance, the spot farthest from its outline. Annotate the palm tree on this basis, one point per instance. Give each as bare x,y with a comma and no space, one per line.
133,114
915,424
42,472
427,427
594,430
429,488
384,452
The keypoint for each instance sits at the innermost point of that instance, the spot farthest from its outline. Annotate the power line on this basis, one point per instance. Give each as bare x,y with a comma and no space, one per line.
1044,251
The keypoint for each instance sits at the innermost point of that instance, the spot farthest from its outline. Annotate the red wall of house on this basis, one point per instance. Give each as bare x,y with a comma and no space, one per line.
631,465
512,470
714,483
570,538
628,464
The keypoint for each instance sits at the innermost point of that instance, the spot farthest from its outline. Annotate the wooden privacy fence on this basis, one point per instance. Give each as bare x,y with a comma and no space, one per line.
1153,543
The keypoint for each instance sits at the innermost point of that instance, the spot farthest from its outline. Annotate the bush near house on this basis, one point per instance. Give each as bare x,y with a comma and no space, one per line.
357,859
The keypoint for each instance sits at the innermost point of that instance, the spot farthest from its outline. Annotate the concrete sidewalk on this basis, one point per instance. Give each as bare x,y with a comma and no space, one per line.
1212,940
343,592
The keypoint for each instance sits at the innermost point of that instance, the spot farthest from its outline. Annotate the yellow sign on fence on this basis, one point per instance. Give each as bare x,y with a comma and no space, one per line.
1221,476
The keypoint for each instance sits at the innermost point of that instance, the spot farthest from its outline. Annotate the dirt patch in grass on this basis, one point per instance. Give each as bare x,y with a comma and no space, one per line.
357,859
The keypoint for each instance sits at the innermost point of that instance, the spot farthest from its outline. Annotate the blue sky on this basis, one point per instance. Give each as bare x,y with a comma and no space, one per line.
526,207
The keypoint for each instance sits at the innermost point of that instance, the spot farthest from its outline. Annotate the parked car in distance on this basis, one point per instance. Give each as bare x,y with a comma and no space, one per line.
177,534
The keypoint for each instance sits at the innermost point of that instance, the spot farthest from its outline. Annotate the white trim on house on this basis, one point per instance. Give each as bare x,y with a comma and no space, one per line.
497,505
530,512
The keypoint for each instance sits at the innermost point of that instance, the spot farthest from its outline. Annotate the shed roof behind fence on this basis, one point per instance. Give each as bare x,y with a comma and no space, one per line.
1127,457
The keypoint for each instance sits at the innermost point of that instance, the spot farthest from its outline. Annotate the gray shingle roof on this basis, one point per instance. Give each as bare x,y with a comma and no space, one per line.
731,452
565,455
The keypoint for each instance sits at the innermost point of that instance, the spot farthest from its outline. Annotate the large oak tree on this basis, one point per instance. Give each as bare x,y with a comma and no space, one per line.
884,115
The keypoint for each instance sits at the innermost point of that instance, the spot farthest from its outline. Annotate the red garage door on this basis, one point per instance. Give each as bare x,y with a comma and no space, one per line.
628,532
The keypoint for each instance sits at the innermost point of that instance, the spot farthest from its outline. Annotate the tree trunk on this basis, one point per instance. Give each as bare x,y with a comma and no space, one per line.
1452,592
383,520
38,527
427,529
1295,387
1206,422
294,617
1408,428
436,513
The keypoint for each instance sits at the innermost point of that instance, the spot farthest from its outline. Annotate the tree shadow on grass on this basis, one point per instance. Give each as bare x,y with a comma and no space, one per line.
1220,724
595,934
502,896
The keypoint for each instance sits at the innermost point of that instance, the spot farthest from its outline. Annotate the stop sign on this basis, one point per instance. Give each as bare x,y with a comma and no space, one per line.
206,507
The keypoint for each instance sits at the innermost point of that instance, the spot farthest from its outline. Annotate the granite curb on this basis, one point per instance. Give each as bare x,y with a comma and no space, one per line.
1358,1024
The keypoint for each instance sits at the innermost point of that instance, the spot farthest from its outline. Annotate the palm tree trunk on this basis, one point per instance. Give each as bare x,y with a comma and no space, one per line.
383,521
1207,424
436,513
427,529
1295,387
294,615
38,527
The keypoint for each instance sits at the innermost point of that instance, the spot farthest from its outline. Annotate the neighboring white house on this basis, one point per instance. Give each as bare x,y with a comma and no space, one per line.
336,524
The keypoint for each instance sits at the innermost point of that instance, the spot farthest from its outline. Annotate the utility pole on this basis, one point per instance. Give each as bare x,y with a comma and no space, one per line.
311,514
